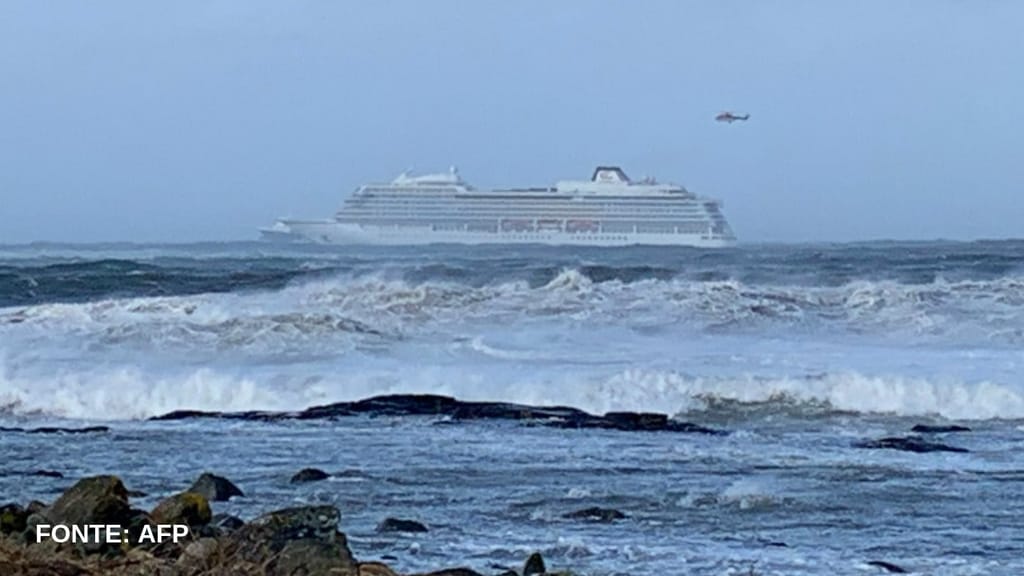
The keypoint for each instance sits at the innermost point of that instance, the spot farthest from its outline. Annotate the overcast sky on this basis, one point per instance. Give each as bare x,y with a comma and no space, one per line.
182,121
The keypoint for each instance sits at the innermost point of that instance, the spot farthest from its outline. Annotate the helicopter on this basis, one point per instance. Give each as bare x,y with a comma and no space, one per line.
730,117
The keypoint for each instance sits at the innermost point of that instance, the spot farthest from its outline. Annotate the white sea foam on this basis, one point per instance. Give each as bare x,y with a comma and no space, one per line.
127,392
567,341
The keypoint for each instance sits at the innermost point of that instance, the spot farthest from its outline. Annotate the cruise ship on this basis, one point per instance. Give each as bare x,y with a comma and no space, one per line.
609,209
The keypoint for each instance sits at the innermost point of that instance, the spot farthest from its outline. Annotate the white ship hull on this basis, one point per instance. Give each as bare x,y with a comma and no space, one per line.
331,232
607,210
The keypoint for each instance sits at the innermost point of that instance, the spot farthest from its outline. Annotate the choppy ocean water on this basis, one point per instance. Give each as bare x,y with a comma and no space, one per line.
799,351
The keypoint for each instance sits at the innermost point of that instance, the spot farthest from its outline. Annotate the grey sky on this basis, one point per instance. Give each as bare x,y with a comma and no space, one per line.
180,121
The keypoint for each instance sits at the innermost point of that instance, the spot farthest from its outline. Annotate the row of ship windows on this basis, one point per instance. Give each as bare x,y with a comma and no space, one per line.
692,228
462,204
625,224
497,212
619,218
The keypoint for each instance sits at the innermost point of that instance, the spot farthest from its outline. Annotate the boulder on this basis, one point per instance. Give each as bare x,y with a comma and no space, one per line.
226,523
399,525
138,520
185,508
199,556
94,500
534,565
292,541
309,475
13,519
596,514
375,569
453,572
214,488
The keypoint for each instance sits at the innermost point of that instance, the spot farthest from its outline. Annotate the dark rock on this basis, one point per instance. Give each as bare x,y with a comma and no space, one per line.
939,429
506,411
458,411
46,474
453,572
309,475
187,414
200,556
632,422
596,514
35,507
887,566
638,420
137,494
185,508
138,520
57,430
13,519
215,488
534,565
375,569
399,525
226,522
94,500
288,542
405,405
508,573
908,444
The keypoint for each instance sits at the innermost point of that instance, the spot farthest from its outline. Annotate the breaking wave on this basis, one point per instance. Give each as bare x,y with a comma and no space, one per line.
107,393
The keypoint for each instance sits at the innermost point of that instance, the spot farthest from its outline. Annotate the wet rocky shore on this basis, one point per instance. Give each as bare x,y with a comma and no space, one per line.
288,537
294,541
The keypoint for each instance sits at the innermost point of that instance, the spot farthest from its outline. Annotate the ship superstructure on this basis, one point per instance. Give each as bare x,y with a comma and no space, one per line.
607,210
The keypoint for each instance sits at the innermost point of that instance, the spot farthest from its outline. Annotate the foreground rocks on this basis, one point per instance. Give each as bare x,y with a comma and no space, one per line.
289,542
185,508
460,411
286,542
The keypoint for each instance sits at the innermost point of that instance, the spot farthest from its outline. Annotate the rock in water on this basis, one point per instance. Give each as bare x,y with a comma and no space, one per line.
309,475
399,525
597,514
939,429
908,444
185,508
887,566
215,488
288,542
534,565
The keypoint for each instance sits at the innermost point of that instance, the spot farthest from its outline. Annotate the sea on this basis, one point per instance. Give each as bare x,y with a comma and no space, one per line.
800,353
